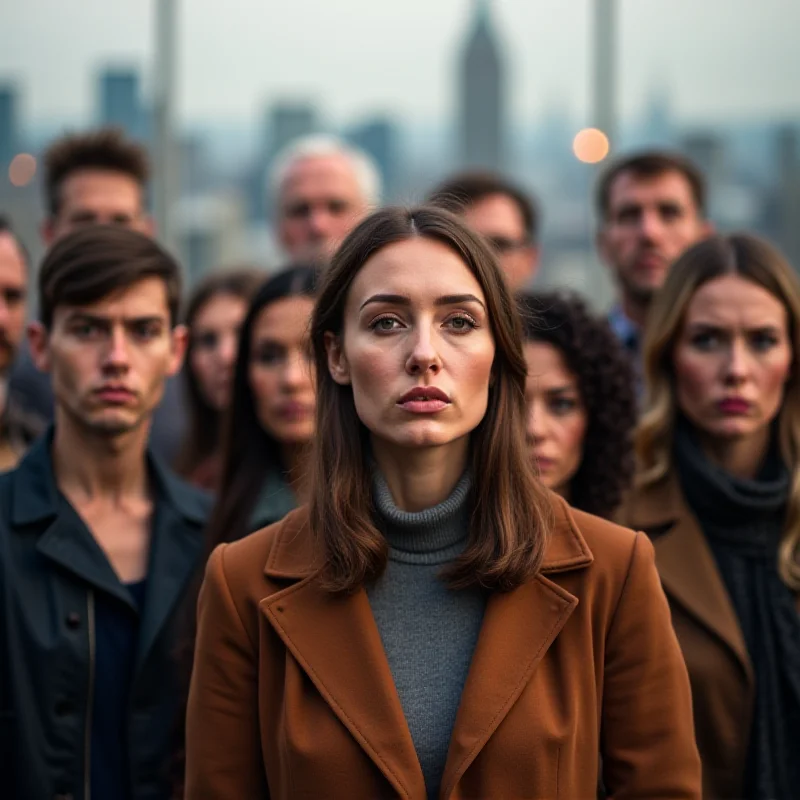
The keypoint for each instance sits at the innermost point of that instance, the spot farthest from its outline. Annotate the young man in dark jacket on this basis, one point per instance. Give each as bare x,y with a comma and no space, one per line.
98,541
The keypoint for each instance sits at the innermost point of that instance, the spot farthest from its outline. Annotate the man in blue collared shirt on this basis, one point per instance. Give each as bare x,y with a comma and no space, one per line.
99,542
651,207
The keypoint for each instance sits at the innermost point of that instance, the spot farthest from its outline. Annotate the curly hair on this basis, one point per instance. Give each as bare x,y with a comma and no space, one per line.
606,382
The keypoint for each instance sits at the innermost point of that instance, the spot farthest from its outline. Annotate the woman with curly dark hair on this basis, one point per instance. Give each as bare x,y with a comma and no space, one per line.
581,402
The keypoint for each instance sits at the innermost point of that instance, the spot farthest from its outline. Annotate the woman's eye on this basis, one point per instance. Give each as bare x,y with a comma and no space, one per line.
705,341
563,405
385,324
462,323
763,341
206,341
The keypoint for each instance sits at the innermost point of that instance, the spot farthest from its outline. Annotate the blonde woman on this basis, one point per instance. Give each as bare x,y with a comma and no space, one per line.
719,492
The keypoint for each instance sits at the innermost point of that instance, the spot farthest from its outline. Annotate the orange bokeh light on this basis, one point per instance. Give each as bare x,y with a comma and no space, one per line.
590,145
22,169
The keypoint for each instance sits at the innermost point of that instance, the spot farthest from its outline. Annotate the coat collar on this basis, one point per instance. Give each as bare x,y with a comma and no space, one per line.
336,638
687,567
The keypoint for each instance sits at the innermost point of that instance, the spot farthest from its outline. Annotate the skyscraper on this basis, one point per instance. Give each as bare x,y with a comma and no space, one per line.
289,120
378,138
120,103
482,102
9,124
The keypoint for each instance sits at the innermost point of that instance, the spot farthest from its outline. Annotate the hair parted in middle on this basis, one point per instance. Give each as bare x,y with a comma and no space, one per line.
512,512
754,260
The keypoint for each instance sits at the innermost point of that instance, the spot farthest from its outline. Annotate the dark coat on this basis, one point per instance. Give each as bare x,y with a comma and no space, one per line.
292,695
720,670
50,571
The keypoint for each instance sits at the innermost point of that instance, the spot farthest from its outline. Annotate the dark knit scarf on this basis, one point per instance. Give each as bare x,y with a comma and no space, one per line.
743,522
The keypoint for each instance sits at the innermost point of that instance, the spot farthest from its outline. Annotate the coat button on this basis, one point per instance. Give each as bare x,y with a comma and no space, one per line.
73,620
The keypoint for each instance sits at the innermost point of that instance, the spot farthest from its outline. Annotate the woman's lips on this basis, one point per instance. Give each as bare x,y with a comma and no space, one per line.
424,400
294,412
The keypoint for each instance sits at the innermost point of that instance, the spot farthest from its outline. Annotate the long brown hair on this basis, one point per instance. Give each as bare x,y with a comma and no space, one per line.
759,262
204,430
511,516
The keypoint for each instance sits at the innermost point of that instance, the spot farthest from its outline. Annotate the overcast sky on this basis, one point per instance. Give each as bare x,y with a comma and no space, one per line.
718,58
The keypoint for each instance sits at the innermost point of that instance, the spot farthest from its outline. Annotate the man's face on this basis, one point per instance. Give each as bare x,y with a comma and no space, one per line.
13,274
320,202
109,360
498,218
98,197
650,222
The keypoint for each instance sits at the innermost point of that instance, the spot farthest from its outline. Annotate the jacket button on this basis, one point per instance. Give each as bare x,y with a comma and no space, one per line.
73,620
63,707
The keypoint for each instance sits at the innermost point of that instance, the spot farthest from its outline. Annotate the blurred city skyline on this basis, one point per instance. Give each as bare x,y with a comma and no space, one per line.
425,89
717,58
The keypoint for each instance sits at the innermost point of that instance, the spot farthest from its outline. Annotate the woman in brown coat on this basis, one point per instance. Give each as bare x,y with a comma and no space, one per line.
719,492
436,624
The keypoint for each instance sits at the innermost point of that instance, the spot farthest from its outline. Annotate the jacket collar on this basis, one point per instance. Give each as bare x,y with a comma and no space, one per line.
294,554
35,495
176,544
686,564
335,638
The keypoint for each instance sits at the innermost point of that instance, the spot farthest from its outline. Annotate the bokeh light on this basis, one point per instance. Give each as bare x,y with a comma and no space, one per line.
22,169
590,145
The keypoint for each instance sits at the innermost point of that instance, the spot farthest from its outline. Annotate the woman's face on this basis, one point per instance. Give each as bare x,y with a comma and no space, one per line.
280,371
215,336
557,418
417,347
732,358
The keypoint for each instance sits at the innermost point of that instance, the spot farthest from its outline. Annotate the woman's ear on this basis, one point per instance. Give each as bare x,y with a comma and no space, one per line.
337,360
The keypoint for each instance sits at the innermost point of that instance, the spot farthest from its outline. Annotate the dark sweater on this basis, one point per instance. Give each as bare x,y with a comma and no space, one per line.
429,632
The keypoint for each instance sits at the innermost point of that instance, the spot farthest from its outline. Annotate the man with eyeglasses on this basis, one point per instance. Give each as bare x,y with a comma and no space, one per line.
502,213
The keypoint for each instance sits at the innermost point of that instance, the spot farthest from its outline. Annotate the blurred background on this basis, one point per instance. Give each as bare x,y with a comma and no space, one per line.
425,86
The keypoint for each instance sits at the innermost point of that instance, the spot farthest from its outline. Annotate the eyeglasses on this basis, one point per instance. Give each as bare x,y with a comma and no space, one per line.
502,244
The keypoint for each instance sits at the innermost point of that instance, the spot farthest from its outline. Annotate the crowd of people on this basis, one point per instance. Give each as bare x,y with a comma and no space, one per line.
391,521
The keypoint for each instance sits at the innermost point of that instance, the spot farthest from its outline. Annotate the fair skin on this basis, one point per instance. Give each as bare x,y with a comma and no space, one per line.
98,197
416,322
732,360
281,379
557,419
13,289
108,361
499,219
650,222
215,337
320,201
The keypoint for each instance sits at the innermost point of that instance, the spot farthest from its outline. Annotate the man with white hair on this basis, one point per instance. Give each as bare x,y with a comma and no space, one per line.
323,188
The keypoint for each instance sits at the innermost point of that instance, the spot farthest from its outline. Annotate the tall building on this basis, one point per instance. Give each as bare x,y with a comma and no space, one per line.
9,125
378,138
120,102
482,124
787,156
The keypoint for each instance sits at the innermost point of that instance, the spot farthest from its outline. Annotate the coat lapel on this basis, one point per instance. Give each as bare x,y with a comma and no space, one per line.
336,642
687,566
518,628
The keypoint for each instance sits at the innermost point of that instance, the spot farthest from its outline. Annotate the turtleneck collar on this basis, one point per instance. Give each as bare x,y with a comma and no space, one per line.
433,536
732,508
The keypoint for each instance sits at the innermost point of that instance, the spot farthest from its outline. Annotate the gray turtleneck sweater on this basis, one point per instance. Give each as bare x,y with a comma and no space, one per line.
429,632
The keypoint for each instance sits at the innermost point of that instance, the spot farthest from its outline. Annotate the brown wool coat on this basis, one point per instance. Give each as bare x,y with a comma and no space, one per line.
708,630
292,696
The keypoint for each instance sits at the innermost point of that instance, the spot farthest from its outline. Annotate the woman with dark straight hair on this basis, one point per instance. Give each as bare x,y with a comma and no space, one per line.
435,623
270,421
213,316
